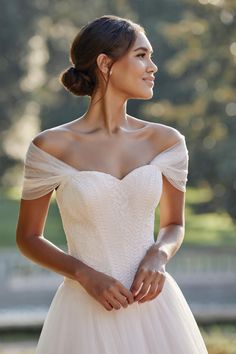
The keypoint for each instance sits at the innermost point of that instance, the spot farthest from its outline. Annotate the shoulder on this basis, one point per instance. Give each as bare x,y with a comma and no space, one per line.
161,135
166,136
53,140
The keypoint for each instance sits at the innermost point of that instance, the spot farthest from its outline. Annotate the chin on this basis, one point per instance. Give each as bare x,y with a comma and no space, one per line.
142,95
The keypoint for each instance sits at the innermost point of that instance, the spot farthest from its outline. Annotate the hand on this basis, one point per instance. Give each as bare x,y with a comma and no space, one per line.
108,291
150,277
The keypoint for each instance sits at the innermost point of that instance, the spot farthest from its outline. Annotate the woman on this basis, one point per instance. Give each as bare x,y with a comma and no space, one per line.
110,171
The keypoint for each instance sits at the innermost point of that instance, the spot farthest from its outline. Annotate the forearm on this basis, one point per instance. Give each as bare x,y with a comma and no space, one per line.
46,254
168,242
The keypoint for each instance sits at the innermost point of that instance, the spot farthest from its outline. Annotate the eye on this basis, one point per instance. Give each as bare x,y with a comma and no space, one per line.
142,55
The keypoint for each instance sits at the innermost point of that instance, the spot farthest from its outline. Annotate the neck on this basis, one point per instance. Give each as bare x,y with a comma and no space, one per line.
108,114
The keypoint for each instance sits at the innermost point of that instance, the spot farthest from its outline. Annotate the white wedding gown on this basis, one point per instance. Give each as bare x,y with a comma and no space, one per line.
109,225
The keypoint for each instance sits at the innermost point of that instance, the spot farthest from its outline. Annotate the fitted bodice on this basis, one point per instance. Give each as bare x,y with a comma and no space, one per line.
108,222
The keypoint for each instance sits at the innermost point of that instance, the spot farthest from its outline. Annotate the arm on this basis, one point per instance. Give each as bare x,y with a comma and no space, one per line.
30,240
151,271
172,223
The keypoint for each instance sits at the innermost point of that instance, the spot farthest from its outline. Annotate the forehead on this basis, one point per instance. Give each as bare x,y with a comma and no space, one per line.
142,41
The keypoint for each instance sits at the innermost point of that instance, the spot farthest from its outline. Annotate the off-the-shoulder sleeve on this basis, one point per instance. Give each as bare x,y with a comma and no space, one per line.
41,175
173,163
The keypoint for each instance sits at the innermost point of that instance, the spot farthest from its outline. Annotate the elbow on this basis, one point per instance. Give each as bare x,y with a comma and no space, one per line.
23,241
20,241
18,237
177,225
180,229
27,242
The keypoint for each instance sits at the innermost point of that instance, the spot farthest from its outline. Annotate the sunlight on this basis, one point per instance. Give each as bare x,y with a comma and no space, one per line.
21,132
212,2
233,48
230,109
37,58
226,17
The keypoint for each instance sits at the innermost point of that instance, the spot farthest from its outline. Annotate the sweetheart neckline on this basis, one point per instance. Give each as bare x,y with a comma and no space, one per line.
102,172
110,175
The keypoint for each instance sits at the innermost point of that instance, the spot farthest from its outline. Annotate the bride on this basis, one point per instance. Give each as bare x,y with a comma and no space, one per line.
110,171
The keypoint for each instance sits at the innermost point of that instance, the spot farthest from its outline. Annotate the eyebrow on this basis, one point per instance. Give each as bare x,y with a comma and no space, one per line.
143,48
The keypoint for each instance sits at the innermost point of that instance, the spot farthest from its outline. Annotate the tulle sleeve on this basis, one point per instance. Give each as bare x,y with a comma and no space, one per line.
173,164
41,174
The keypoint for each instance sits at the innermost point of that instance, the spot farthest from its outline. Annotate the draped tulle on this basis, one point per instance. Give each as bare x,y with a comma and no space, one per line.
44,172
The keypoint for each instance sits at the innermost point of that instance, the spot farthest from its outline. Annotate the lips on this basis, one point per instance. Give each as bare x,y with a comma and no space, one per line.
149,79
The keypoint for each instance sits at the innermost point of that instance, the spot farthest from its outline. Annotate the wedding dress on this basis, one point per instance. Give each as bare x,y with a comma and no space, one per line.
109,225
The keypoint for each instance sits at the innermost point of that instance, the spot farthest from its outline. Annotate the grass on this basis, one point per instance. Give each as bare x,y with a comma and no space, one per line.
220,339
201,229
215,229
209,229
9,215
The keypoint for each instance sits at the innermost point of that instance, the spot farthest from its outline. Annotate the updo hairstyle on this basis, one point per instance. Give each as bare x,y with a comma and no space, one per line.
108,34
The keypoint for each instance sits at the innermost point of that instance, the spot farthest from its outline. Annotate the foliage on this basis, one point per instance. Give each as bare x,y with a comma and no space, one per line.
199,63
194,48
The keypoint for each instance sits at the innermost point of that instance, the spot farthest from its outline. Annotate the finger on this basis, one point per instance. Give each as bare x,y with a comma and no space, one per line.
114,302
137,283
107,305
149,277
158,290
122,299
127,293
160,287
162,282
144,290
152,291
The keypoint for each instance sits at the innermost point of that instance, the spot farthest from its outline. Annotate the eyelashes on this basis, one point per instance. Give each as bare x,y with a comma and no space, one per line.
142,55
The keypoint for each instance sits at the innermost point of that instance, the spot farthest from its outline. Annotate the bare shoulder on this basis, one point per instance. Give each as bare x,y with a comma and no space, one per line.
165,136
53,140
161,135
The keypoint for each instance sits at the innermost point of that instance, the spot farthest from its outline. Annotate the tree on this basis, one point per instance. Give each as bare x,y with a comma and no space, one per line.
200,67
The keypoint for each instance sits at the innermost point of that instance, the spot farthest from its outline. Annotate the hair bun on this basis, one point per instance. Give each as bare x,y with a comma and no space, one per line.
73,70
76,81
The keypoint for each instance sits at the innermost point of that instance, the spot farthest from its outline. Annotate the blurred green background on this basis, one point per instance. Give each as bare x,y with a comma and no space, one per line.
194,46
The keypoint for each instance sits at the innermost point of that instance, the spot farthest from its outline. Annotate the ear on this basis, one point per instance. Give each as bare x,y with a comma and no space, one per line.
104,63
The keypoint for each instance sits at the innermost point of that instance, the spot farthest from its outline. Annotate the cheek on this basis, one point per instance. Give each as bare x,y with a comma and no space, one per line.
128,74
134,67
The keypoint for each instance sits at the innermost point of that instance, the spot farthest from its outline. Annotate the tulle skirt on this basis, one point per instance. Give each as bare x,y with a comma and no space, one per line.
77,324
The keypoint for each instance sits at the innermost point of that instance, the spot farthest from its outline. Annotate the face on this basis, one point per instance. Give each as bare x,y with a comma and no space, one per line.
133,74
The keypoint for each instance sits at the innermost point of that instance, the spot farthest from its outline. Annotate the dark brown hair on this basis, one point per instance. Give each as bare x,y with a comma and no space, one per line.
108,34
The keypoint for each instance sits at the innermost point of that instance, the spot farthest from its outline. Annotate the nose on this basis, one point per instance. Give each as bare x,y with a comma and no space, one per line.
153,67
